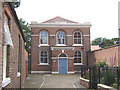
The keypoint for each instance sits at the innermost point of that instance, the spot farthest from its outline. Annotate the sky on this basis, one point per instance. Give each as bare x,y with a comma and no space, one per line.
102,14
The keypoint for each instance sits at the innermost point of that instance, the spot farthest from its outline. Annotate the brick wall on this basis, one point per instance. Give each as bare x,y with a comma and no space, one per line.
1,37
111,55
14,53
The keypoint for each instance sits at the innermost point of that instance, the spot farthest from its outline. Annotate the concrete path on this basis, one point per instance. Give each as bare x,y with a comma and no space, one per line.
53,81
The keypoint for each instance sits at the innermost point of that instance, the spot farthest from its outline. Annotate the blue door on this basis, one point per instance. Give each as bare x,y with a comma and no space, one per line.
62,66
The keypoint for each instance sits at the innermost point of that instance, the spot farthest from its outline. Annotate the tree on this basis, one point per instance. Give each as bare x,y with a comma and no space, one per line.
104,42
16,4
26,30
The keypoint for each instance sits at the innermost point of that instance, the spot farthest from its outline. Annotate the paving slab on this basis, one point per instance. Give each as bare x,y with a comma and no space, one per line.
33,81
60,81
53,81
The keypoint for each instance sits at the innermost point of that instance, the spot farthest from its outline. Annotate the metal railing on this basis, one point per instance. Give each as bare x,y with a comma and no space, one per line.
101,75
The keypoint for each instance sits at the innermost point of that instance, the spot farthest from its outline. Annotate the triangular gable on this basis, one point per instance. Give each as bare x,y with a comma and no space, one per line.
58,20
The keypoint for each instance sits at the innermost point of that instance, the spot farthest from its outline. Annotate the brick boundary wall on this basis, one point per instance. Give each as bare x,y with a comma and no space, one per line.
111,55
84,82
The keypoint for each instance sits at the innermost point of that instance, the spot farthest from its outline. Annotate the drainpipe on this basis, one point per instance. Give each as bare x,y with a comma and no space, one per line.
20,74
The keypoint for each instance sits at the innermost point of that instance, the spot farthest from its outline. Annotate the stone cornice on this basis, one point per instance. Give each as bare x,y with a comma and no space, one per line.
88,25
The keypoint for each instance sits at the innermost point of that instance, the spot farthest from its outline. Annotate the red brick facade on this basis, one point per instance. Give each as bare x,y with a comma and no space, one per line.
52,27
16,55
111,55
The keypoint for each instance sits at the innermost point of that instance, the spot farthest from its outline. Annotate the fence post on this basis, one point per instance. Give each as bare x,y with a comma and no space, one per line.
90,77
117,78
94,78
81,71
85,71
107,74
99,74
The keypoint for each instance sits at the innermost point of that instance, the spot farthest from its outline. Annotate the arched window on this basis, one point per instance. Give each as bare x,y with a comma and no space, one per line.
43,57
60,37
77,37
77,57
43,37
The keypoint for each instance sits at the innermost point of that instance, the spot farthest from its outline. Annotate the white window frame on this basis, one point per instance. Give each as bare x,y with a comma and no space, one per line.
47,59
81,39
40,39
81,59
64,39
6,80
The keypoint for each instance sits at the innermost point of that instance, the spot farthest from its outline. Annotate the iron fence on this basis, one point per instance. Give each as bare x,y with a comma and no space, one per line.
109,76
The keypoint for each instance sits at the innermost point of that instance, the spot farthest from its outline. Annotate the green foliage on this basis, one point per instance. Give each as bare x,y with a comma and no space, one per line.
109,78
104,42
26,30
102,64
16,4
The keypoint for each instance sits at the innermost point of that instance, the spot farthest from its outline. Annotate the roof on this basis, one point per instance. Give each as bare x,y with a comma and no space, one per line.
58,19
60,22
94,47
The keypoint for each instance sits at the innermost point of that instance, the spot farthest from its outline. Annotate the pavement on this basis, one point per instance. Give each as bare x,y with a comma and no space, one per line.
33,81
53,81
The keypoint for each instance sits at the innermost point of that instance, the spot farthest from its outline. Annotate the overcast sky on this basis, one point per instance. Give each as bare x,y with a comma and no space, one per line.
102,14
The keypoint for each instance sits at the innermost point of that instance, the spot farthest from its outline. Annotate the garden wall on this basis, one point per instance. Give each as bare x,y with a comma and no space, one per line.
111,55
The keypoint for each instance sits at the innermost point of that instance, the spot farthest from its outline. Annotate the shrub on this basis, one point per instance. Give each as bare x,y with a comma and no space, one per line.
109,78
102,64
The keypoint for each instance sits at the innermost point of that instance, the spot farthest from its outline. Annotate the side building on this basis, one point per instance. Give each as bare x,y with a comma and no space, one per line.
13,56
59,46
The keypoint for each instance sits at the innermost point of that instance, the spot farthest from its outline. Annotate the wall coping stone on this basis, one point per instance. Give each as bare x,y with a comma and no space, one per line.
106,87
84,79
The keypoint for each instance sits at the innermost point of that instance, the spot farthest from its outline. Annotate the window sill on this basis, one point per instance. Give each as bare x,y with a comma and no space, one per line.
42,45
5,82
43,64
60,45
18,74
77,45
78,64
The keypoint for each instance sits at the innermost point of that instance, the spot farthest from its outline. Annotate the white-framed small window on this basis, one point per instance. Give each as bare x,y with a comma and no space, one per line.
43,58
43,37
77,38
77,57
60,38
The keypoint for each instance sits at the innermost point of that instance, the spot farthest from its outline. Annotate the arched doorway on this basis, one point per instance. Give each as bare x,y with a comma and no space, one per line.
62,63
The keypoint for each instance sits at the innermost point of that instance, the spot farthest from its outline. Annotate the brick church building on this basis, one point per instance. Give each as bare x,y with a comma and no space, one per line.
59,46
